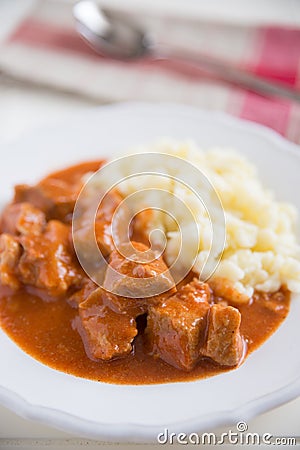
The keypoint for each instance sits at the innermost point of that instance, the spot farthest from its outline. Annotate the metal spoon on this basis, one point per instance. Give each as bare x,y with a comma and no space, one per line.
108,34
111,34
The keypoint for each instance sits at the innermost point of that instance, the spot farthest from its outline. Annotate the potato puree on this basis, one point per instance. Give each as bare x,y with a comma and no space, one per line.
261,249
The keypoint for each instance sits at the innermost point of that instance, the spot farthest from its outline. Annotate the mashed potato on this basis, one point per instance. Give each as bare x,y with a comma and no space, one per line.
261,251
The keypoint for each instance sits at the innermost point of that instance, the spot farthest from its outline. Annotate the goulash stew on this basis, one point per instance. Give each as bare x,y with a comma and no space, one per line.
57,314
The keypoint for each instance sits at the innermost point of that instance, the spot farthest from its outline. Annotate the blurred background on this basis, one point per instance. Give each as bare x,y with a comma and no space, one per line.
47,70
237,56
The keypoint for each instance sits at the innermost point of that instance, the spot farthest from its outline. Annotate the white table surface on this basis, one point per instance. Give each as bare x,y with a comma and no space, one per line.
22,109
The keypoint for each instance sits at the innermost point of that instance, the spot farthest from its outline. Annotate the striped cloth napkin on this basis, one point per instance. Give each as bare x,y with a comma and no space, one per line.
44,48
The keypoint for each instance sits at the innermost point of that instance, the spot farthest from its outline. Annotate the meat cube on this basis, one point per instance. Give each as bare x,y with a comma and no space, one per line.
47,261
106,235
56,194
105,333
103,223
56,198
142,225
10,252
81,295
86,228
127,277
224,343
22,218
176,328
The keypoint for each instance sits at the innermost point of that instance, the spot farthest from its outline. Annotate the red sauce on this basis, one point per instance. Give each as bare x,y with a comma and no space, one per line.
44,330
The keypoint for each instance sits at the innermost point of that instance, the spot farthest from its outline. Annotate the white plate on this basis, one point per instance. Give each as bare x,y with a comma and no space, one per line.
268,378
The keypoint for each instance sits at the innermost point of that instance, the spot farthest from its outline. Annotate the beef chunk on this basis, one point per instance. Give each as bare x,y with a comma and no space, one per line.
224,342
56,194
22,218
105,333
47,261
10,252
133,306
84,291
176,328
101,227
56,198
127,277
103,222
185,327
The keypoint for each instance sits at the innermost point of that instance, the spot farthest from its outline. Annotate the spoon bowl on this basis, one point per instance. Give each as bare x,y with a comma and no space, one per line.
113,35
109,34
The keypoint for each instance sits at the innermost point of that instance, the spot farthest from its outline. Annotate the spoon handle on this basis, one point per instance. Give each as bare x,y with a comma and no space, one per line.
231,74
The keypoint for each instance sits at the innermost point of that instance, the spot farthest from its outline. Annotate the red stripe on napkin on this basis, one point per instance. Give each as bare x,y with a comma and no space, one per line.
272,113
45,35
280,55
37,34
279,60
